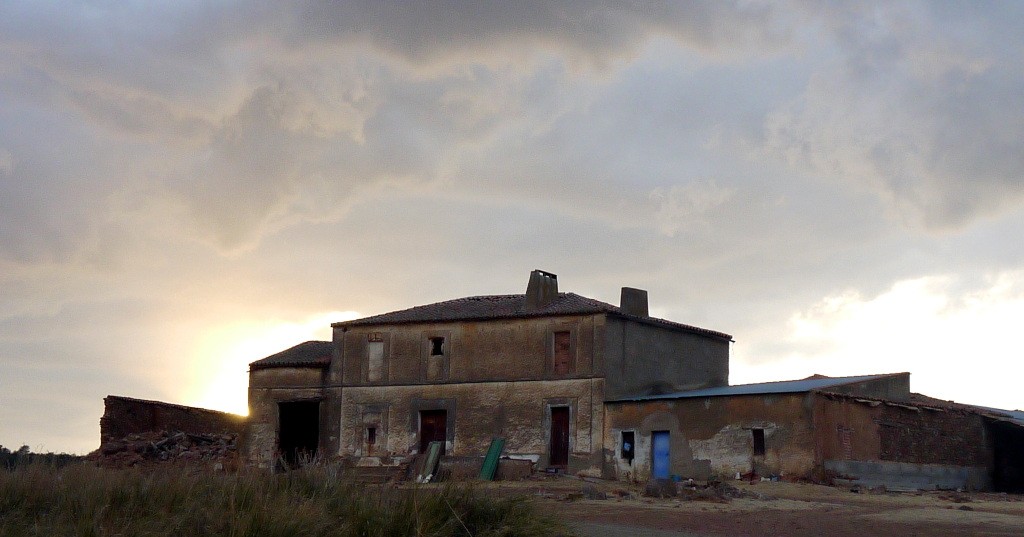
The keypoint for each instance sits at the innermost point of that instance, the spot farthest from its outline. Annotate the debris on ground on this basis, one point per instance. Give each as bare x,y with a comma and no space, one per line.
154,447
690,490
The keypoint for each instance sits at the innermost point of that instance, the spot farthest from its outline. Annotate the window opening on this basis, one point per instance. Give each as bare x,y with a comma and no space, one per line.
628,446
371,435
437,346
758,441
563,362
375,360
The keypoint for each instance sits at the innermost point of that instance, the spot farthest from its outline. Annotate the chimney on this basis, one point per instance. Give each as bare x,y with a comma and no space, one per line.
633,302
542,289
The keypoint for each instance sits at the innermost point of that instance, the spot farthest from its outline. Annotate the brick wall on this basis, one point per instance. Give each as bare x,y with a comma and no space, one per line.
124,415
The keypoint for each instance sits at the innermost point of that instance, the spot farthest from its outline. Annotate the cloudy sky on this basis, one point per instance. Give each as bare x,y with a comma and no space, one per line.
186,187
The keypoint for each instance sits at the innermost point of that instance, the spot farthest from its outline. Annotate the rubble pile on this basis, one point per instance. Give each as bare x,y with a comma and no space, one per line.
219,450
690,490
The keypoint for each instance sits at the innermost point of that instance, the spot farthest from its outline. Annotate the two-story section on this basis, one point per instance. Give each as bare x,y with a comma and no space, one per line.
534,369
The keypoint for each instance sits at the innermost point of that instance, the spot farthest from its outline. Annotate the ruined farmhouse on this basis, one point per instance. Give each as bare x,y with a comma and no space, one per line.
578,385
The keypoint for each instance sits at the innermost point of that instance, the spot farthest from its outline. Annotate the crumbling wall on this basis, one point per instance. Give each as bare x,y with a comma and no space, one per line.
124,415
476,413
713,436
902,446
270,387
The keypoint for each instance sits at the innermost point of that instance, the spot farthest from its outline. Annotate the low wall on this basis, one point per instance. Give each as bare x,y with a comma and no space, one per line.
124,415
906,476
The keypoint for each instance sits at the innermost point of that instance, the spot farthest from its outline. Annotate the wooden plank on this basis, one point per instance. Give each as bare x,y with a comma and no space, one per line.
490,466
430,465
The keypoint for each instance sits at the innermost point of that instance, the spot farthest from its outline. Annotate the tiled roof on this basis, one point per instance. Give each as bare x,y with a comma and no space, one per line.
308,354
788,386
480,308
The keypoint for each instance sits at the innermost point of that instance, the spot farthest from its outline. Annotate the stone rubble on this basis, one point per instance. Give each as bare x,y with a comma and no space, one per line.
161,447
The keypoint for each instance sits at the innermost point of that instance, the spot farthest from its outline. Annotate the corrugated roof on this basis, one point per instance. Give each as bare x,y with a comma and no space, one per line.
480,308
787,386
1015,417
308,354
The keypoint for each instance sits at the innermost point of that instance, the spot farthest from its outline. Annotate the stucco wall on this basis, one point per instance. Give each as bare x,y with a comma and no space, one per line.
645,359
267,388
711,437
476,412
478,351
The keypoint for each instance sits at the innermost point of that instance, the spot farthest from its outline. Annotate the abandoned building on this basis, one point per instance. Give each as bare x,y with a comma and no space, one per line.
533,368
578,385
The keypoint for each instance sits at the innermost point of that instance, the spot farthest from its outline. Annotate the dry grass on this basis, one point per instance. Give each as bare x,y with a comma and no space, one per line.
84,500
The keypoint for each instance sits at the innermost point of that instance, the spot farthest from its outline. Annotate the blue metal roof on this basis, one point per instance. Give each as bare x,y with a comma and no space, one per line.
788,386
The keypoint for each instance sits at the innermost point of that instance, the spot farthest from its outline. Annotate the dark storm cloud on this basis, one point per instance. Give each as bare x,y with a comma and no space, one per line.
600,31
165,169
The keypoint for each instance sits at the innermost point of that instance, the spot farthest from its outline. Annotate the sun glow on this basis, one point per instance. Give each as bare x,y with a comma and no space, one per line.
957,343
223,355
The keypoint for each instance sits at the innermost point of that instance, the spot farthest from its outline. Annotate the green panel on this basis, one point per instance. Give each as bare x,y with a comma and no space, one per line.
491,460
430,465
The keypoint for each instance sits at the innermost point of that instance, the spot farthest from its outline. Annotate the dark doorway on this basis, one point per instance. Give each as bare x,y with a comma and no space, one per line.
559,449
1008,456
433,428
298,430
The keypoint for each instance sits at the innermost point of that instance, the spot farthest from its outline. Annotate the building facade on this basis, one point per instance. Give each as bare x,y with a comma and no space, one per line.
534,369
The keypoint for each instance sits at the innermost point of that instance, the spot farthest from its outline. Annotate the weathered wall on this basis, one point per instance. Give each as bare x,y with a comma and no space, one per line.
924,444
479,351
895,387
267,388
124,415
477,412
646,359
711,437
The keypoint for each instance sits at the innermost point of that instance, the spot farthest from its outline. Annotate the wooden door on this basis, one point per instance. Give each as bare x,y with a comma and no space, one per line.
559,449
433,428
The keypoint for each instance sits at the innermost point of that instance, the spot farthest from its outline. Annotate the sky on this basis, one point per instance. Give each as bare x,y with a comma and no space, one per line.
187,187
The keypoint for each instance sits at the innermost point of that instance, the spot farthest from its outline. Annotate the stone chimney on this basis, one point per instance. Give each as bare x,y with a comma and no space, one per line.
542,289
633,302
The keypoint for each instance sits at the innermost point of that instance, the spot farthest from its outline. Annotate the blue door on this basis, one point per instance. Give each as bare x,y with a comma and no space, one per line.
660,454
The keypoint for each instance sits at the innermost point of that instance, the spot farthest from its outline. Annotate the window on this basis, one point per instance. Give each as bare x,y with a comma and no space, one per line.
437,346
561,354
628,446
758,435
375,358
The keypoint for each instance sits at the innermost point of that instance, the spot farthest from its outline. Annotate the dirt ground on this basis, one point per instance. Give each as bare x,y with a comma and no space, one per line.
779,508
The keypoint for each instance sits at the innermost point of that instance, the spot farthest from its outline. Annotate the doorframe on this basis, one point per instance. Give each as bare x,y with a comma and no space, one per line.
416,405
564,402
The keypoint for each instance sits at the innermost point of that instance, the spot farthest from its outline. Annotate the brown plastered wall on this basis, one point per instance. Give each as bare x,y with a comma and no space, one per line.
891,431
711,436
476,412
645,359
124,415
475,351
267,388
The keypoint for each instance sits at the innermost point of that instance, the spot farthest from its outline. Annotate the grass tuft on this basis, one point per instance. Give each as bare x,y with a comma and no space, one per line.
81,499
